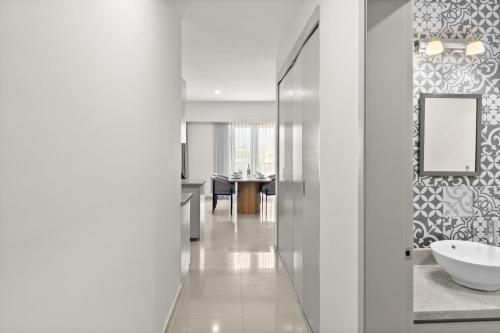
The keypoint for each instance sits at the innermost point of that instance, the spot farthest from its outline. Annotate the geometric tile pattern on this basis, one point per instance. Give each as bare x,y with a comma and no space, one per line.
466,208
457,201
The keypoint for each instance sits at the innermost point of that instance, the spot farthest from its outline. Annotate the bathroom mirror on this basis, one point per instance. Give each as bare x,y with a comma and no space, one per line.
450,135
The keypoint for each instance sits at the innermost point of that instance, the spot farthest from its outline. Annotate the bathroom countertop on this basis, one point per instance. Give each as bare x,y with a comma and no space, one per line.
437,298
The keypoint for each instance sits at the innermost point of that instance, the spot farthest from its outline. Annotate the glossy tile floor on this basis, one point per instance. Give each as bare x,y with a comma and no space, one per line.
235,283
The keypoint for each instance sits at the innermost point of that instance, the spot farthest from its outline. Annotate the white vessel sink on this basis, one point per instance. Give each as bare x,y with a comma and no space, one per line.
472,265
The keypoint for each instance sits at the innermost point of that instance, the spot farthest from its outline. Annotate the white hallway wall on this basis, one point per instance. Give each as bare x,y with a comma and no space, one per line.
201,152
89,165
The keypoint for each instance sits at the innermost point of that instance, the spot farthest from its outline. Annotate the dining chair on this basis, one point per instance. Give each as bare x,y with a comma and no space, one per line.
268,189
221,186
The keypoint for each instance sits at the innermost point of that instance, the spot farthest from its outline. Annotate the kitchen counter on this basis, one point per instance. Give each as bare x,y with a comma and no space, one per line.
194,187
193,182
185,197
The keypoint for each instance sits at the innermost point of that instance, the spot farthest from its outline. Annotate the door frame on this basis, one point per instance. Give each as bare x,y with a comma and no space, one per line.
388,173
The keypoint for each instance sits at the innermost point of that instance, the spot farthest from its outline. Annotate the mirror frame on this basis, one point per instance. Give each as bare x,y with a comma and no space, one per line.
479,107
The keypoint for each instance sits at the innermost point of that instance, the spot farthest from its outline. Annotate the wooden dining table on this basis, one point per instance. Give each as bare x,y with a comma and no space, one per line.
247,189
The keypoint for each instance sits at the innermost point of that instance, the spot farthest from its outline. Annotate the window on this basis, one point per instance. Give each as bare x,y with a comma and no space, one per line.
242,148
239,145
266,153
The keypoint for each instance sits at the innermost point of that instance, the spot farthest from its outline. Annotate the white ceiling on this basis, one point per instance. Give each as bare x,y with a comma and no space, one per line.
231,46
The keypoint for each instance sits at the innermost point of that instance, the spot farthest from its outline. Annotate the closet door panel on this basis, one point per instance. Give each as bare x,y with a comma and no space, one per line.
285,173
297,180
310,174
298,186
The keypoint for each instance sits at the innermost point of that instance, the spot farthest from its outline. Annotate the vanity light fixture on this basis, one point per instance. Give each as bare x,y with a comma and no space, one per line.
434,46
474,47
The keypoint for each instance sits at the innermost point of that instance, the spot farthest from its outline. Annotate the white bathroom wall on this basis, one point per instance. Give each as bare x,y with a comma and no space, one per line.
341,107
89,165
200,138
231,111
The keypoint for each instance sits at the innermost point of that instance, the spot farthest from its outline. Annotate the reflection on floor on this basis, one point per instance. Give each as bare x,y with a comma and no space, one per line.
438,298
235,283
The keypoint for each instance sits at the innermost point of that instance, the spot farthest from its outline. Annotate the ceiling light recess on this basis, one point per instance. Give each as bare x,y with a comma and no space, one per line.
217,92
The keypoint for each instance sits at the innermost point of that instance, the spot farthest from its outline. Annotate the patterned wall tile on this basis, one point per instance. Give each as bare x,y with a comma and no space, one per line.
455,58
492,47
485,18
486,200
495,225
428,77
457,181
470,78
427,16
457,201
490,140
459,207
457,14
491,109
490,171
427,230
427,202
483,78
458,228
481,230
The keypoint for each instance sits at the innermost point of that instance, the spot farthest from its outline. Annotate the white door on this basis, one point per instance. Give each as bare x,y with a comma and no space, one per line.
298,190
285,173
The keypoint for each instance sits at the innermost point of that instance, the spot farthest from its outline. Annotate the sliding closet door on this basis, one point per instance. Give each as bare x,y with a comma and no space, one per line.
298,195
285,173
298,191
309,184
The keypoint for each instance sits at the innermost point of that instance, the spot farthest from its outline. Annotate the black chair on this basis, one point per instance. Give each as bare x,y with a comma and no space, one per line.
221,186
268,189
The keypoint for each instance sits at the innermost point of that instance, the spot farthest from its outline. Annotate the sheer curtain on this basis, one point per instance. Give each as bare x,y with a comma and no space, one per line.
239,145
222,149
265,154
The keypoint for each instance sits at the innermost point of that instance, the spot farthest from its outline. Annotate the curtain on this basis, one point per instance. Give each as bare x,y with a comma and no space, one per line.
265,138
222,149
242,145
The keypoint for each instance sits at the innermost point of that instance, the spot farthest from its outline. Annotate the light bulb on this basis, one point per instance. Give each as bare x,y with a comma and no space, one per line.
434,47
474,47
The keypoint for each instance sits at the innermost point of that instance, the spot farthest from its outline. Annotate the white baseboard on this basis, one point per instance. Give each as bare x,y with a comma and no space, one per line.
168,321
